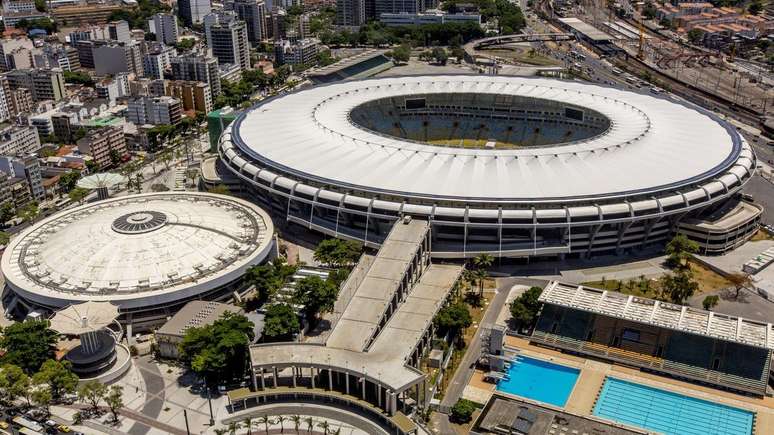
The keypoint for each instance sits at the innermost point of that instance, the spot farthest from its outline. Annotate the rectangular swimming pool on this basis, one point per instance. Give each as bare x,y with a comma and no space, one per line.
667,412
539,380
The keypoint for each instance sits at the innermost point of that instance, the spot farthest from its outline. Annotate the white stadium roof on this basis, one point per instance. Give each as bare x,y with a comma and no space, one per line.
653,144
138,251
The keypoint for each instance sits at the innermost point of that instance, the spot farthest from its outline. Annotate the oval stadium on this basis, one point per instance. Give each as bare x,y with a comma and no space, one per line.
510,166
148,254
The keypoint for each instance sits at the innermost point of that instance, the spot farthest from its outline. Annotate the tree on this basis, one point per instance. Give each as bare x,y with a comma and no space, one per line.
78,78
265,421
28,344
525,308
6,212
296,419
710,302
78,194
458,53
440,55
41,396
158,187
115,400
739,281
755,8
463,410
679,250
453,317
337,252
316,295
325,426
4,238
68,180
40,5
695,36
280,323
13,382
92,393
401,53
268,278
185,44
309,424
218,351
281,419
58,376
679,286
247,423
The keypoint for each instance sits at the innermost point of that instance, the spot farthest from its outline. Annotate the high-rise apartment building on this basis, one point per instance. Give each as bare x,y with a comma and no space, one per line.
199,68
253,13
193,11
227,39
193,95
25,166
118,57
154,110
157,60
350,12
44,84
165,28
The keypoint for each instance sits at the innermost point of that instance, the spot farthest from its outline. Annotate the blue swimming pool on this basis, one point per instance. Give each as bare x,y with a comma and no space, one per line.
539,380
667,412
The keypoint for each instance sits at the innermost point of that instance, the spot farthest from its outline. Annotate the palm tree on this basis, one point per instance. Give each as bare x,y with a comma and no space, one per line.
338,432
281,419
296,419
483,261
233,427
309,424
265,421
325,426
221,431
247,423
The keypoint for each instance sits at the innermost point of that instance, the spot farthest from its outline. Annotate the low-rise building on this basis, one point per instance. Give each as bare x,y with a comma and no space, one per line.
27,167
427,17
194,314
304,52
104,145
113,88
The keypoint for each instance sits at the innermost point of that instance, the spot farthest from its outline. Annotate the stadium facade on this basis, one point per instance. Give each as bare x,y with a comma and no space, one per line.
509,166
148,254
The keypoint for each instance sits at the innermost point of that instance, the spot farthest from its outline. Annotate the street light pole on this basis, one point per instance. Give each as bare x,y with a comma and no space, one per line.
185,415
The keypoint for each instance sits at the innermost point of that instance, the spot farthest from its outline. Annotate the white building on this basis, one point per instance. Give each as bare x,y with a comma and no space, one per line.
154,110
303,52
114,88
148,254
18,140
156,61
25,166
429,17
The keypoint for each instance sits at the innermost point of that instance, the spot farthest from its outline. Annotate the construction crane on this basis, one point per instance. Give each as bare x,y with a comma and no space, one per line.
641,46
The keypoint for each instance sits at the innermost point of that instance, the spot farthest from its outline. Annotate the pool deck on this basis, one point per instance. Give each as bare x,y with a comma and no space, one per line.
593,375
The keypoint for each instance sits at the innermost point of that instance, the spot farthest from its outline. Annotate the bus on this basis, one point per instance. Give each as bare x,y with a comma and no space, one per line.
28,424
25,431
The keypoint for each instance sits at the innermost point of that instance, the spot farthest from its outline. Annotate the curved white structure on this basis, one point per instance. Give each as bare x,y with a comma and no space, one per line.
146,254
567,166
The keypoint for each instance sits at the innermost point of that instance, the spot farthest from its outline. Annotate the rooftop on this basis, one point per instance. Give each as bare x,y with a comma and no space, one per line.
196,314
586,29
660,314
126,248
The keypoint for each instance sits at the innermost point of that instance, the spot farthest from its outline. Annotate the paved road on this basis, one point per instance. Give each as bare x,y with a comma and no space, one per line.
763,192
467,365
345,415
154,388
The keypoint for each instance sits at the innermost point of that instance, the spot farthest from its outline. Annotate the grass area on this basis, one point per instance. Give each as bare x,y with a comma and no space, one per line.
472,143
524,57
709,281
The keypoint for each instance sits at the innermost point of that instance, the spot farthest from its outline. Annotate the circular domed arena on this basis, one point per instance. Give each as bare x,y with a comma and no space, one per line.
509,166
147,254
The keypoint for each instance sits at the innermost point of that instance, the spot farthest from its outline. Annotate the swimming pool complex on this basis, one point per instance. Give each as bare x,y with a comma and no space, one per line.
667,412
539,380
